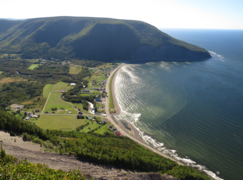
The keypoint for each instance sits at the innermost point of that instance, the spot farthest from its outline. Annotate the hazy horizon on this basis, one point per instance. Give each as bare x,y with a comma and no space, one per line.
185,14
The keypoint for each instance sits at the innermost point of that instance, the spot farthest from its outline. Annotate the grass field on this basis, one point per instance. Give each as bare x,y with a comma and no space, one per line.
111,105
104,129
8,80
92,125
33,66
1,72
55,100
80,122
54,87
75,69
62,122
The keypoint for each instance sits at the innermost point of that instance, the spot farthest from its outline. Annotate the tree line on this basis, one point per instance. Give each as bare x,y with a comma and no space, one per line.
104,149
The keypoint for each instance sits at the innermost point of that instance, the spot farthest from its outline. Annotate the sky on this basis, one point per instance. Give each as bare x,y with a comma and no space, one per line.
195,14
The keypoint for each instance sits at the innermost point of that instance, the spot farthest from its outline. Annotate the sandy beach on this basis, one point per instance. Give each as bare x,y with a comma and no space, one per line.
134,133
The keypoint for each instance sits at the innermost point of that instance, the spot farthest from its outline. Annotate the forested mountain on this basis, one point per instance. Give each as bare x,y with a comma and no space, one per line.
98,39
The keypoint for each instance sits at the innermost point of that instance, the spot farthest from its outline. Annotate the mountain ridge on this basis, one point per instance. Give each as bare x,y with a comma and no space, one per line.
100,39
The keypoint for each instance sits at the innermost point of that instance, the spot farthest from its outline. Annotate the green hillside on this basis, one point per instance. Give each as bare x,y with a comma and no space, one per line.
94,39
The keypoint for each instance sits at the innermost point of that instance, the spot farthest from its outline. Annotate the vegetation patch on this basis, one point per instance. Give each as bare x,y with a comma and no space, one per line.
9,80
54,87
55,101
75,69
111,104
117,151
1,72
12,168
58,122
33,66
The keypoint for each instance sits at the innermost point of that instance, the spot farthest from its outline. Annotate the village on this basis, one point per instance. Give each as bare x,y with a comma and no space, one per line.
59,114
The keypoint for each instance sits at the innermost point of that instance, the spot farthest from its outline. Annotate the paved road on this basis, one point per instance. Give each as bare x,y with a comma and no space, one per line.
108,116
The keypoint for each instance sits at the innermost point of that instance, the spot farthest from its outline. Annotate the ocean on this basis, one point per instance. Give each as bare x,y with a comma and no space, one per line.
192,111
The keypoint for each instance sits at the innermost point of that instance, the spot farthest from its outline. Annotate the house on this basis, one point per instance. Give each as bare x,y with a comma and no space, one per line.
98,100
35,116
73,84
119,134
63,91
27,118
30,114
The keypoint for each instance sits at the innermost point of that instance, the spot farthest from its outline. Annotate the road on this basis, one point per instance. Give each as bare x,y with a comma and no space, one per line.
108,116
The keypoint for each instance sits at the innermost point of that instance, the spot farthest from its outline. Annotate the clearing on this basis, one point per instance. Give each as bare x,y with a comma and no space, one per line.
33,66
54,87
59,122
9,80
55,101
75,69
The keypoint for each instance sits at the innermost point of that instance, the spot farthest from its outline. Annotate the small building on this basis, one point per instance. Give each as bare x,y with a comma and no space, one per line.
98,100
35,116
73,84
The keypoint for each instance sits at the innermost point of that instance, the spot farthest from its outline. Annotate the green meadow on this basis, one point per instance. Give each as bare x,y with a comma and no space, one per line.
33,66
54,87
75,69
59,122
56,100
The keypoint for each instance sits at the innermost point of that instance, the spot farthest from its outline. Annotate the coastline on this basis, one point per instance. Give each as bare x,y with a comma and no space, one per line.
134,133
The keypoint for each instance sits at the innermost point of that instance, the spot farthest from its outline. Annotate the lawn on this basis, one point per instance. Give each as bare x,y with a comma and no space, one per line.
1,72
62,122
80,122
33,66
104,129
55,100
75,69
92,125
54,87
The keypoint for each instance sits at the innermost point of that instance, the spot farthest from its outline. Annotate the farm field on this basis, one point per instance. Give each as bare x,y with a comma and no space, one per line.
62,122
54,87
75,69
55,100
8,80
33,66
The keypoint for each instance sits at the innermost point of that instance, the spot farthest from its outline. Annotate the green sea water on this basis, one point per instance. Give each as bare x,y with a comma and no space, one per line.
192,111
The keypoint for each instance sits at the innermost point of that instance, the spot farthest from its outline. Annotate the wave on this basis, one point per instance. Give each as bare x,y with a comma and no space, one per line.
161,147
133,118
216,56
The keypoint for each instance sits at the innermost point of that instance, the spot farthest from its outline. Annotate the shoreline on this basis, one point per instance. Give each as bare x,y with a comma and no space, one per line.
134,135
